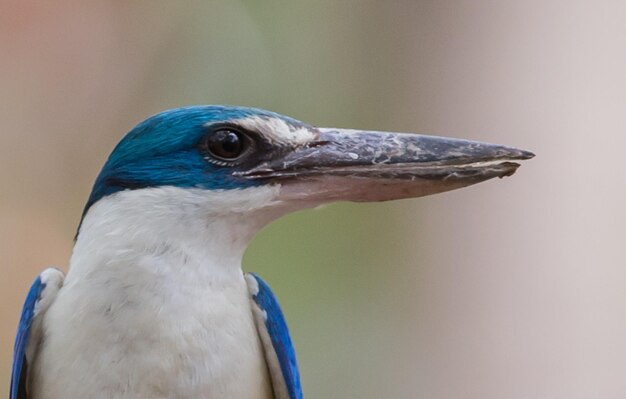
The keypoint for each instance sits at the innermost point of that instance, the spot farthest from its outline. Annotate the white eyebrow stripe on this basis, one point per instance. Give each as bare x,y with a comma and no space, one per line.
277,130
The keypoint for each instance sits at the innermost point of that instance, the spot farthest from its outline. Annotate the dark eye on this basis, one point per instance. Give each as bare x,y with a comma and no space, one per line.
227,144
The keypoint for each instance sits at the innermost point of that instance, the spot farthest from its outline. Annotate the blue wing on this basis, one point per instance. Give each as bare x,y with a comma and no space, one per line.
18,376
273,323
32,309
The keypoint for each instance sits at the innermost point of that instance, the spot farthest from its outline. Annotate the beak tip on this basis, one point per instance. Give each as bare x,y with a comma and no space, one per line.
523,154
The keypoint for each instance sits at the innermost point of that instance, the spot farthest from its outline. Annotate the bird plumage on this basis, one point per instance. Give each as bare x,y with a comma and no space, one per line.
148,283
274,334
42,293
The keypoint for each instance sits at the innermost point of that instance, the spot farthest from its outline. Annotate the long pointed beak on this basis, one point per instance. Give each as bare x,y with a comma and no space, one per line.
370,166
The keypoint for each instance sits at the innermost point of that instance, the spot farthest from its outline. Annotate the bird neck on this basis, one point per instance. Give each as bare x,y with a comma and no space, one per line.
209,227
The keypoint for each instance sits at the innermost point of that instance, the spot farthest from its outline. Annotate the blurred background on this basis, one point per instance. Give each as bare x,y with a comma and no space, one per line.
514,288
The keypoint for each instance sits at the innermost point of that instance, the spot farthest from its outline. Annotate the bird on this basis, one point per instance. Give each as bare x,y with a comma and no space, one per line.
155,303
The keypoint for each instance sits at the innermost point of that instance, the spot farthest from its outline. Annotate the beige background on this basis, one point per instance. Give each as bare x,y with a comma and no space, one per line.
513,289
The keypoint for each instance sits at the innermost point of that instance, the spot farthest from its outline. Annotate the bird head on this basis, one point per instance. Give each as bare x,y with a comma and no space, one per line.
222,160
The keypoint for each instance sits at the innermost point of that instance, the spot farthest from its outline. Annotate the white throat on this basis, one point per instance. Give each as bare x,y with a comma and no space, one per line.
215,226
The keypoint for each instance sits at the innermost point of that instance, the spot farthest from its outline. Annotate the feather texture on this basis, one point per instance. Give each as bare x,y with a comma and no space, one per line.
279,351
41,294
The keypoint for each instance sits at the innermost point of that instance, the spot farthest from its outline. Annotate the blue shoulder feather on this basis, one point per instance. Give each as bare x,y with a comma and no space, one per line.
279,334
18,376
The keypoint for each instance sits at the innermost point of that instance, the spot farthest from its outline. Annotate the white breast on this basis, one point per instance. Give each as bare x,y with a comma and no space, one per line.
155,305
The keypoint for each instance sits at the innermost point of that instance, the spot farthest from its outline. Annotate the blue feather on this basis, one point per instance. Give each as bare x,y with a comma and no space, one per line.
18,375
279,334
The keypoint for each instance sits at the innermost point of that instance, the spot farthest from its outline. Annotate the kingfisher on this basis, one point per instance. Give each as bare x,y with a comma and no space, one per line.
155,303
